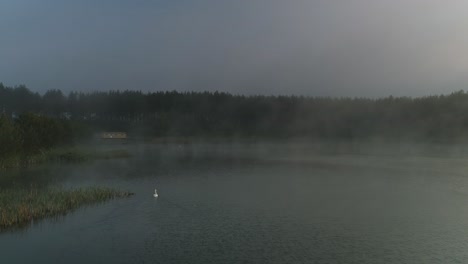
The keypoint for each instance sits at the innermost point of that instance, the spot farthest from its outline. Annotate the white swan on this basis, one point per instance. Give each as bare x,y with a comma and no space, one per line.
155,194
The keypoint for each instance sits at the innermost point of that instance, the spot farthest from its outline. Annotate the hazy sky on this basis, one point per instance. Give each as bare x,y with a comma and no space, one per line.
312,47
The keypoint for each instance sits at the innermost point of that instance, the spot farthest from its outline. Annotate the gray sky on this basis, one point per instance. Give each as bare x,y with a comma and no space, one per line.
314,47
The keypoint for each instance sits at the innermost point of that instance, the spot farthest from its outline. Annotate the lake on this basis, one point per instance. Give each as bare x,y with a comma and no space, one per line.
255,203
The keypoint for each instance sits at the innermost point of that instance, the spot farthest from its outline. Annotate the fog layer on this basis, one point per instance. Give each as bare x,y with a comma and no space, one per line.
317,47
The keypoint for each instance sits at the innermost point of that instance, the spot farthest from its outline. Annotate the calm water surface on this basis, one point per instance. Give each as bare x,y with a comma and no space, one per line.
238,203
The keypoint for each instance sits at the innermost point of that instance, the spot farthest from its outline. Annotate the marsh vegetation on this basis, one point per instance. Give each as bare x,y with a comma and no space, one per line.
20,207
31,139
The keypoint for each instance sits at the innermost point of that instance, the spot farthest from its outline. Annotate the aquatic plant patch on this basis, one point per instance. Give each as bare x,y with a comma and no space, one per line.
20,207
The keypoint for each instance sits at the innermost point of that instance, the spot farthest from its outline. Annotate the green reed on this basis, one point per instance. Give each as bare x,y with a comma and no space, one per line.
19,208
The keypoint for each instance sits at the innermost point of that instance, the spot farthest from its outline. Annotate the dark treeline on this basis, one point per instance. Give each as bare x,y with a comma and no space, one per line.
217,114
30,134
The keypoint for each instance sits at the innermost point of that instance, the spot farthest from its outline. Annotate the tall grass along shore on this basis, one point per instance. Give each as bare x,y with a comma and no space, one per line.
67,155
19,208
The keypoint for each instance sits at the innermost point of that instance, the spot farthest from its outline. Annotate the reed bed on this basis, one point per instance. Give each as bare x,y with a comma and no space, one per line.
62,155
19,208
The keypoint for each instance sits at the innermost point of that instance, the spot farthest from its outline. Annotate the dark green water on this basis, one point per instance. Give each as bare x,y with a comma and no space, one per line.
254,204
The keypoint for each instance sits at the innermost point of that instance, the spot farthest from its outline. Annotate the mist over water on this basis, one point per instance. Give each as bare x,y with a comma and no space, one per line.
300,131
369,48
259,203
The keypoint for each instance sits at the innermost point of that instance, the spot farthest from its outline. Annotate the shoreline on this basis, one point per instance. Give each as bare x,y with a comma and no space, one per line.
21,207
66,155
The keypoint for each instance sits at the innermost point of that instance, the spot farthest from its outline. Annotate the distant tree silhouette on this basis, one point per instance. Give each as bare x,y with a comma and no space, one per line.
217,114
